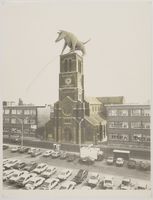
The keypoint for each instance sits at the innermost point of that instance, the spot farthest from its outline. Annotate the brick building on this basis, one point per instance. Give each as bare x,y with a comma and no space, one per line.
128,124
28,115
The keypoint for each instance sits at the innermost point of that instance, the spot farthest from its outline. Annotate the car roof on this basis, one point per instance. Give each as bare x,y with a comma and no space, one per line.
51,179
40,164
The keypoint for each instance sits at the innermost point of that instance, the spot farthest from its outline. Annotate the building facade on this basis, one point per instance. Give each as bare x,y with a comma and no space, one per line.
128,124
24,117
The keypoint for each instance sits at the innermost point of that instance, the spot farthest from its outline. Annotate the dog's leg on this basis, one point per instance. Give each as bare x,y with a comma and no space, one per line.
63,48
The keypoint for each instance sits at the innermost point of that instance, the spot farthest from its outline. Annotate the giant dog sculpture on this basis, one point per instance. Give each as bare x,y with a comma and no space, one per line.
71,41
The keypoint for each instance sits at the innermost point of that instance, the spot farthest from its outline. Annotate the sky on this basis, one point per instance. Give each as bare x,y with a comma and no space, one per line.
118,59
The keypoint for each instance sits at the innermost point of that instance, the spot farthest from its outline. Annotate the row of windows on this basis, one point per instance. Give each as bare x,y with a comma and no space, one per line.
134,125
125,137
134,112
16,121
95,108
20,112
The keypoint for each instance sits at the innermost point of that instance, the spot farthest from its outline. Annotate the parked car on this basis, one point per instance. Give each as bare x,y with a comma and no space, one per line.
110,160
63,155
49,184
36,152
125,184
68,185
119,162
34,182
23,149
24,179
16,175
55,154
47,153
93,179
5,146
144,165
31,150
108,183
64,174
70,157
30,166
6,161
141,186
131,164
86,160
85,187
7,174
15,149
81,176
11,163
49,171
19,165
40,168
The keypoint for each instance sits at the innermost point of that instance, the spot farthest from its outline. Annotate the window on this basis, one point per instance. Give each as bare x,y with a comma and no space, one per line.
112,112
32,121
65,66
146,125
27,112
136,125
79,66
26,121
136,112
123,112
14,112
6,111
118,124
13,121
146,112
113,136
137,137
70,66
19,112
6,120
33,112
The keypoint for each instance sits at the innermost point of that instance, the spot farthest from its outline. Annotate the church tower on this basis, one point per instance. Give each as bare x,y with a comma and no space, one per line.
69,111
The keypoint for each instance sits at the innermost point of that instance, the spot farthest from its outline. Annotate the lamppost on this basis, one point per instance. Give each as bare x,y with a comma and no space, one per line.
22,128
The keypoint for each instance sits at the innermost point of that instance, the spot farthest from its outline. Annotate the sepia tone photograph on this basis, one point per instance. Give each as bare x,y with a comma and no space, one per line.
76,96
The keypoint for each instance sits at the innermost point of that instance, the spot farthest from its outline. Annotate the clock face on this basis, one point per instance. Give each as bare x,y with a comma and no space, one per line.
68,81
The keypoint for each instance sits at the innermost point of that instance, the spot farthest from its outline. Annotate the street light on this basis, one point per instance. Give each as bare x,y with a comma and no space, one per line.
22,129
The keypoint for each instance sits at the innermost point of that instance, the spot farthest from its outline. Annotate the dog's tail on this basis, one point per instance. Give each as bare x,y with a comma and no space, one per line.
86,41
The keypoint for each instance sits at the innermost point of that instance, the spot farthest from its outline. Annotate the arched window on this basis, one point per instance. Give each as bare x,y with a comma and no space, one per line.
65,66
79,66
70,66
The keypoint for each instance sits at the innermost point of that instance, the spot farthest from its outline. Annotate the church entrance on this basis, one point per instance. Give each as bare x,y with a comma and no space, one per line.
67,135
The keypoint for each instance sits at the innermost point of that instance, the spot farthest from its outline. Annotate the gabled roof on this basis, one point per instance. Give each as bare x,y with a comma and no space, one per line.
92,100
111,100
94,119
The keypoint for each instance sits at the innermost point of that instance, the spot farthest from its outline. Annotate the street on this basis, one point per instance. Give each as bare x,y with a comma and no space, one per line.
100,167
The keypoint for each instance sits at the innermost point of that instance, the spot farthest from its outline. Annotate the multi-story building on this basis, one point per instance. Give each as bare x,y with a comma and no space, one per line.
128,124
26,117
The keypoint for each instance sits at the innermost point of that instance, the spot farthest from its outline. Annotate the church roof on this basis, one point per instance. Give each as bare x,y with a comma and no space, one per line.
92,100
111,100
94,119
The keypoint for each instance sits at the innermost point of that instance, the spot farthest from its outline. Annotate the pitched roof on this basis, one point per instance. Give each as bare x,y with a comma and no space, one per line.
111,100
92,100
94,119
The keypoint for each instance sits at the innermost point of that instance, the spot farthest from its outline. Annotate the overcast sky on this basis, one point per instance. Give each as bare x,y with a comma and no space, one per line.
118,59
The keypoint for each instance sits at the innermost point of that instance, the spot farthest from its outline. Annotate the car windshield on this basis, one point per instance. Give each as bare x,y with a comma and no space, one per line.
63,173
62,187
31,182
93,177
125,183
108,181
48,170
15,175
45,184
53,182
21,179
39,167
